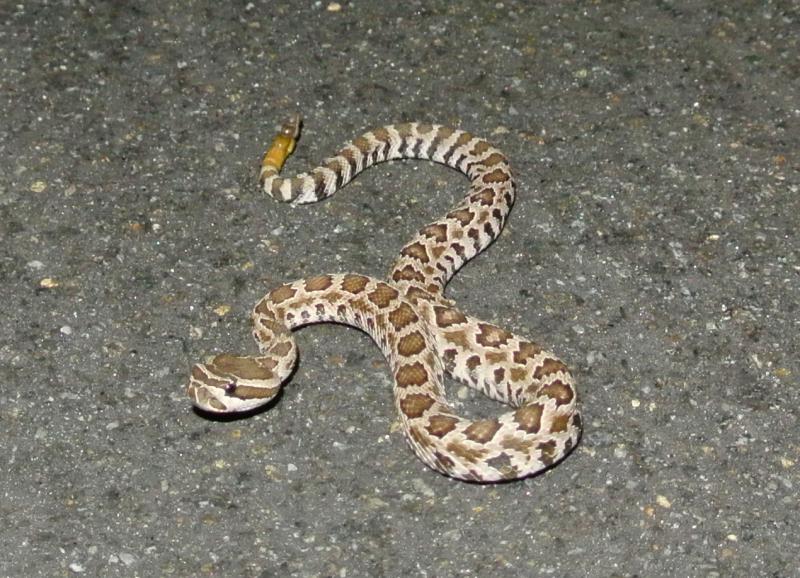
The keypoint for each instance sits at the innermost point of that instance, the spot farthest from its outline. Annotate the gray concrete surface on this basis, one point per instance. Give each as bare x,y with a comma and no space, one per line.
654,247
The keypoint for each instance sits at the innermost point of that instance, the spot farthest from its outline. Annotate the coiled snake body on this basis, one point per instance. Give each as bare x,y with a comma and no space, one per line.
420,332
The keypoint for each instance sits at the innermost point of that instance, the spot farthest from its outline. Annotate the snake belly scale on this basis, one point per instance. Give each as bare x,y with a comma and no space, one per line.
420,332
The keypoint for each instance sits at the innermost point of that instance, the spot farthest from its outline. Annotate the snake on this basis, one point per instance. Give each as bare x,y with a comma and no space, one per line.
422,334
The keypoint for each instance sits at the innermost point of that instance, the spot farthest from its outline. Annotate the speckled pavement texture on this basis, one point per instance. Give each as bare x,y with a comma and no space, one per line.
653,246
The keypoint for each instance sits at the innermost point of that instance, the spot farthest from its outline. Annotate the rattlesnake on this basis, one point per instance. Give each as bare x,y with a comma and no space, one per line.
420,332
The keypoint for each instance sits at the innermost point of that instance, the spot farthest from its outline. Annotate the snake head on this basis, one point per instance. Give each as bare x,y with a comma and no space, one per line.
229,383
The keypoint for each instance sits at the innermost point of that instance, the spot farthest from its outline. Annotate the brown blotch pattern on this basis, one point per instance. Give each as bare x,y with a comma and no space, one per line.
437,251
319,180
482,430
457,337
429,357
493,159
411,374
417,251
519,374
436,143
502,463
445,132
462,139
473,361
441,425
362,144
404,130
496,357
471,455
492,336
381,134
415,293
402,315
359,305
486,197
463,216
275,188
447,316
336,166
272,325
408,273
282,293
526,351
416,404
411,344
281,349
560,424
296,184
496,176
559,392
529,418
319,283
480,148
436,231
519,445
549,451
350,156
354,284
383,295
549,366
449,359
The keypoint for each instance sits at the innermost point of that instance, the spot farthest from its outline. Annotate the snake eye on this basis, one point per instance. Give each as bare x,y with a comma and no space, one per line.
230,387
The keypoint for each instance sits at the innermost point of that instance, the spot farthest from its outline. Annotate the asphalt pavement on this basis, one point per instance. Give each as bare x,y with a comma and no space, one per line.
653,247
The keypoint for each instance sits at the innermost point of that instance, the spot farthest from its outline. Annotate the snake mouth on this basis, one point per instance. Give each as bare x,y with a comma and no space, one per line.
204,399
